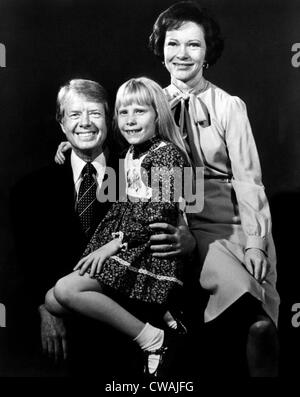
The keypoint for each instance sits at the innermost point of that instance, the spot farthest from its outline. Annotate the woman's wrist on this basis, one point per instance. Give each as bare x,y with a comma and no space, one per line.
256,249
256,242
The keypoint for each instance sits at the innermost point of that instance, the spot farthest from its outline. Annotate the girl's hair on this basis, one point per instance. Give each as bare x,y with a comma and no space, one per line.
180,13
144,91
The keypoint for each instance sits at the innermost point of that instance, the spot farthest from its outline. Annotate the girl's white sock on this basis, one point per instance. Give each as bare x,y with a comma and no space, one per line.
150,338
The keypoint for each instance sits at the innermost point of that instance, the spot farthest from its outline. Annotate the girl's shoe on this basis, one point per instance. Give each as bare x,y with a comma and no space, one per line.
161,352
168,353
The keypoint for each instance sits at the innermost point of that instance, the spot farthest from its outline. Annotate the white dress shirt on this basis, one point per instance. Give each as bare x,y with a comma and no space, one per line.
78,164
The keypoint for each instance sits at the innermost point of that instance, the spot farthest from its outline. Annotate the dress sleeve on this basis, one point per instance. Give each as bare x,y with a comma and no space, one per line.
247,183
169,164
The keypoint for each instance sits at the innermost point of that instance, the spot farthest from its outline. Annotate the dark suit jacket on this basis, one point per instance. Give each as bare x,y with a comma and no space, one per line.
49,243
48,238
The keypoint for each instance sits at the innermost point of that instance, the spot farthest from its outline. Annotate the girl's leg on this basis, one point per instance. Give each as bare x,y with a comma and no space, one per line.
53,306
84,295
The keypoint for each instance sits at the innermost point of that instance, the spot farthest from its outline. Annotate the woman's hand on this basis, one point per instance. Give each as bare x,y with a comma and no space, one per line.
59,156
95,259
256,263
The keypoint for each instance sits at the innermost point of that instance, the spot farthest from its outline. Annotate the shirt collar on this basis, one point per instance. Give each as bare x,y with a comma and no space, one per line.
201,86
77,164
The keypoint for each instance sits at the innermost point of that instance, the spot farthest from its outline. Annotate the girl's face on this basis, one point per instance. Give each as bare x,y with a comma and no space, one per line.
136,122
184,52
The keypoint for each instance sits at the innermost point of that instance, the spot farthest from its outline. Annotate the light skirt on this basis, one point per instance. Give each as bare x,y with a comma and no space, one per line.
221,243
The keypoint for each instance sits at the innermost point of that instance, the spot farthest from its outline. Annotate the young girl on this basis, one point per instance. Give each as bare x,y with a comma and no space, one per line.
117,263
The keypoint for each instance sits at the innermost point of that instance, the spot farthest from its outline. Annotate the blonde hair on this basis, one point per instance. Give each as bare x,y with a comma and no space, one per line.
144,91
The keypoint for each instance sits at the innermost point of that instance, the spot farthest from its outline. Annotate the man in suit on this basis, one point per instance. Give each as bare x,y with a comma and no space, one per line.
50,236
54,222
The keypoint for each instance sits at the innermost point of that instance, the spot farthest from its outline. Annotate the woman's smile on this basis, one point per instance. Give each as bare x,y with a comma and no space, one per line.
184,52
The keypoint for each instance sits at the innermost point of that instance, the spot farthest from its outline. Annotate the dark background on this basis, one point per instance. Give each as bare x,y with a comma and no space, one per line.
48,42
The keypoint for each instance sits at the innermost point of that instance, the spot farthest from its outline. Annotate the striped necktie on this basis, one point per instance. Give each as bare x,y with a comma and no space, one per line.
87,201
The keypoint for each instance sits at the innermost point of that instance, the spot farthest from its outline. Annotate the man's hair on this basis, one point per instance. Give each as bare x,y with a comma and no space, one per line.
89,89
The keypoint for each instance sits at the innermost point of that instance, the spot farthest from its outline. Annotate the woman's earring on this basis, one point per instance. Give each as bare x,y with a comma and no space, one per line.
163,62
205,65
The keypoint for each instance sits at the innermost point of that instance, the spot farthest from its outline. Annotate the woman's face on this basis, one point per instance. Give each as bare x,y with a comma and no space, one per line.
184,52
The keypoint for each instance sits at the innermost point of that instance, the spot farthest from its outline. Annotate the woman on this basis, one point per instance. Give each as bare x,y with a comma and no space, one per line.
233,231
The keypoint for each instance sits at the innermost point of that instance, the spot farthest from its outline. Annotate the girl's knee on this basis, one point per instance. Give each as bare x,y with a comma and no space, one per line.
50,301
64,291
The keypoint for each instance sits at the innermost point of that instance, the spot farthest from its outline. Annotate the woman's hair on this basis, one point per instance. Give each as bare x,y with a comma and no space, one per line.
144,91
180,13
90,89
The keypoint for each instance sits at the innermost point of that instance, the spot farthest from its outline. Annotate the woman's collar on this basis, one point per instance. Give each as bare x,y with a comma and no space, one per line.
201,86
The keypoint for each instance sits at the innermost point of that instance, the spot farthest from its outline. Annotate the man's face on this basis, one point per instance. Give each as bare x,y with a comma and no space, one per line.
84,124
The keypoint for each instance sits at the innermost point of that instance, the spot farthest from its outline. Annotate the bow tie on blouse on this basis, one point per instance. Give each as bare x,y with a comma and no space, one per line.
192,113
196,108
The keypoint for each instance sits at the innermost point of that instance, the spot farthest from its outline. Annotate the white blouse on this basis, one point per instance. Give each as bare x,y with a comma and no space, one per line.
222,142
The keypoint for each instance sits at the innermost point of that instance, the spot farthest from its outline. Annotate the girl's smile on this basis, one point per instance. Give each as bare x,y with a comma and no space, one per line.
137,122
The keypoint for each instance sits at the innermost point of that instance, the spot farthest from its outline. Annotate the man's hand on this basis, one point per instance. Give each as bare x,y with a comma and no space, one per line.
174,241
53,335
256,263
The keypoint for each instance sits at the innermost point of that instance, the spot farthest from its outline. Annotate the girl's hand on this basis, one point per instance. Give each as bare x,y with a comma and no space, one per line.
256,263
95,259
59,156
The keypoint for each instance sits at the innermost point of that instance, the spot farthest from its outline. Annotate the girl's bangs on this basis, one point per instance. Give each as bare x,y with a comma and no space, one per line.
134,93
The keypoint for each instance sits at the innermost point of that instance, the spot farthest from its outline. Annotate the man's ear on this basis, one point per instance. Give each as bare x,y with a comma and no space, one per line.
62,127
